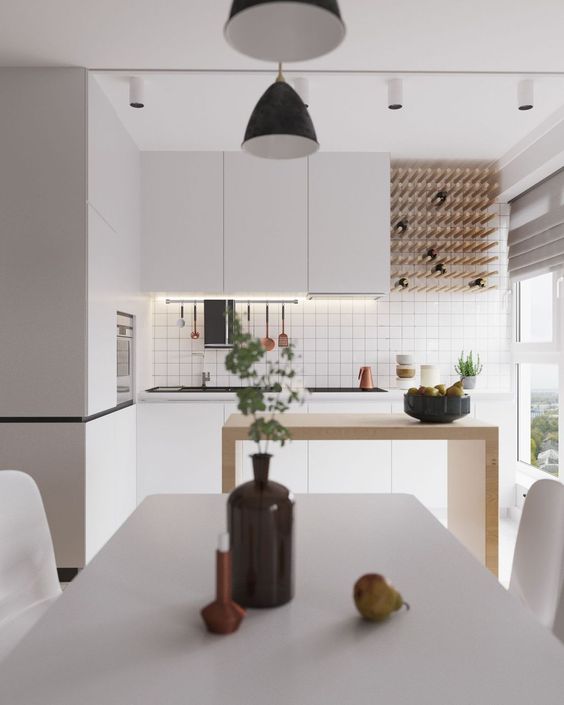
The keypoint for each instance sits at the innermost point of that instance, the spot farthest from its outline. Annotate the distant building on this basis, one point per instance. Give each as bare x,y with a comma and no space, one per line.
548,457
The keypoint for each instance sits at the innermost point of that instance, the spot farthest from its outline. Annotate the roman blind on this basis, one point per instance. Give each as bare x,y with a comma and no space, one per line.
536,229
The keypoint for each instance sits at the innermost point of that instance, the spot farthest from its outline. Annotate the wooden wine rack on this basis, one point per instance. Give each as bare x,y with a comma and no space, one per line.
448,212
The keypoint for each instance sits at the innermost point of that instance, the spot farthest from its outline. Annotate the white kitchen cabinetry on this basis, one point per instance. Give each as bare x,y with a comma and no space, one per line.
179,447
265,224
349,223
350,466
182,221
111,475
288,465
420,468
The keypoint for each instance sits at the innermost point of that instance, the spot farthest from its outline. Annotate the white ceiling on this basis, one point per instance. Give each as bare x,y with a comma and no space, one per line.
443,117
402,34
458,118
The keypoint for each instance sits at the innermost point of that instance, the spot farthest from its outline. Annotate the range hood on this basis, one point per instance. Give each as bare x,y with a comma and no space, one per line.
319,295
218,323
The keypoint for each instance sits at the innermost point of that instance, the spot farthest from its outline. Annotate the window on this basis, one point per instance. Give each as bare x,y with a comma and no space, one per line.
536,310
538,416
540,371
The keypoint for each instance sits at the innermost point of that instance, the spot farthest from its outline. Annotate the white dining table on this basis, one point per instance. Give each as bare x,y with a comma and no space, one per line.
127,630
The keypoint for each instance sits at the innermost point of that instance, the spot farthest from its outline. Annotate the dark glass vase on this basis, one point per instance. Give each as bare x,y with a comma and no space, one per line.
260,516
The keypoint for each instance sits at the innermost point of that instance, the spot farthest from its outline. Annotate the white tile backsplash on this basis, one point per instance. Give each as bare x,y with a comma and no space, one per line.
334,338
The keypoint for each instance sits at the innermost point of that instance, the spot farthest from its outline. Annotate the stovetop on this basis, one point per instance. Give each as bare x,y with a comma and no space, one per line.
211,390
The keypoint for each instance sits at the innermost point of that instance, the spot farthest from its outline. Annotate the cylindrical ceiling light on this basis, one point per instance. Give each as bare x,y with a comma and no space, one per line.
280,126
301,86
136,92
284,30
525,94
395,94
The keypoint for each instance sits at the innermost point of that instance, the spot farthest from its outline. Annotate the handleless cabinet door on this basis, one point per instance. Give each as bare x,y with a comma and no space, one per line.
349,223
265,224
349,466
182,221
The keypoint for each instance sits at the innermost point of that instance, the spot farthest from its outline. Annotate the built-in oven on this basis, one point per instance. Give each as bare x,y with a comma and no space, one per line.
125,357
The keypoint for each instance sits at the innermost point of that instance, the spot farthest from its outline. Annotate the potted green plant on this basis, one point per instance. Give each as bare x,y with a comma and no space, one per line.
260,513
468,368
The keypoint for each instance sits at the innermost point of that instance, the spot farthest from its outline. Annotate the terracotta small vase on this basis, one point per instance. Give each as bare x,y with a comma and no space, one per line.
223,616
261,524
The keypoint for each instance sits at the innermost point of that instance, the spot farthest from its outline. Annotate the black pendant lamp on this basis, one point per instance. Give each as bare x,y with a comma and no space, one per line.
280,126
284,30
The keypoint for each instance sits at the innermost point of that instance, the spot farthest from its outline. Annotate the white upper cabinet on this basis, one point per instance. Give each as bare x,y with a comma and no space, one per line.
265,224
182,221
349,223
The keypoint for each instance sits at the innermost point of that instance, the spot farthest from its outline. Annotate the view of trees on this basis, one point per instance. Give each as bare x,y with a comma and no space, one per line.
544,431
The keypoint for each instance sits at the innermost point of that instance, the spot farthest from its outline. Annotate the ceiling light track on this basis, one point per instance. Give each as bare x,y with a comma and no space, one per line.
390,74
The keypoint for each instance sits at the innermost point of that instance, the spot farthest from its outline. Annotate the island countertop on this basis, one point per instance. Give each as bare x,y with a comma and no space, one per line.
473,494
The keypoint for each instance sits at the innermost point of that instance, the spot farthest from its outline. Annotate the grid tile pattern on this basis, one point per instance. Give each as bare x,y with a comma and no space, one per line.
334,338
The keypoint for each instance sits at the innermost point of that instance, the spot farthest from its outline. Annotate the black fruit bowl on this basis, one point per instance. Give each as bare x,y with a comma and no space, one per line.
436,409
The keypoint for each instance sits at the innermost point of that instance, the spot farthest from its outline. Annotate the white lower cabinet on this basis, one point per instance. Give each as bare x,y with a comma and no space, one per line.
179,447
288,465
420,468
349,466
110,463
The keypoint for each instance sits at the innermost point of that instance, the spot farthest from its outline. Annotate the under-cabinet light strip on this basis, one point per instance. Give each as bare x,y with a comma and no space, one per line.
235,300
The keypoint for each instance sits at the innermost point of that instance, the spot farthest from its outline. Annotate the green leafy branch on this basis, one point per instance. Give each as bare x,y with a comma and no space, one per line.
467,366
265,395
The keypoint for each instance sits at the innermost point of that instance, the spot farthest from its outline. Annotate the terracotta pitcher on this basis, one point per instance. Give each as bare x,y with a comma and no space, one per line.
365,377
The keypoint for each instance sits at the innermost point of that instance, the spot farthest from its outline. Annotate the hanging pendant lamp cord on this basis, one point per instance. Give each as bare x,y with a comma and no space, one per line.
280,78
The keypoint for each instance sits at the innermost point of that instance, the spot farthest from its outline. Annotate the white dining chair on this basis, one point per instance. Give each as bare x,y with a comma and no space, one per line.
28,573
537,576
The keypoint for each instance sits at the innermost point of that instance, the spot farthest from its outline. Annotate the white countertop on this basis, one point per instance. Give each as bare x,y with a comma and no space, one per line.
390,396
127,630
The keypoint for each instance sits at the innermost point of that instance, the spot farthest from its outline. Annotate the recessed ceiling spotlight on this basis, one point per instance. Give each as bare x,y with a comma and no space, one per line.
136,92
301,86
525,94
395,94
284,30
280,126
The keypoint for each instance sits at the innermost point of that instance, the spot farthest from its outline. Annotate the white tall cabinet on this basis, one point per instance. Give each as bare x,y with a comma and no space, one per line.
69,204
265,222
349,223
182,221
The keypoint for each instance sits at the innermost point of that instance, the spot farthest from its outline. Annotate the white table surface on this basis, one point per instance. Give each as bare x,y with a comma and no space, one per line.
128,629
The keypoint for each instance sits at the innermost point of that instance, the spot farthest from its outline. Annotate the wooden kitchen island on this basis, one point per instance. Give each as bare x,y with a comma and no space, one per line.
473,504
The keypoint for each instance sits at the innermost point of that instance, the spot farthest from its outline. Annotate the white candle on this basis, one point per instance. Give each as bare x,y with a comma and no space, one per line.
223,543
430,375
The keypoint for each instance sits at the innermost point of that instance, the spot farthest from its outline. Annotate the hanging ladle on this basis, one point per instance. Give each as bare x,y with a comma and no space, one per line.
195,334
267,342
181,322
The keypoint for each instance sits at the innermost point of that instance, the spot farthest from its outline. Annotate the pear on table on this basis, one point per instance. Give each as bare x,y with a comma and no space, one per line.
376,598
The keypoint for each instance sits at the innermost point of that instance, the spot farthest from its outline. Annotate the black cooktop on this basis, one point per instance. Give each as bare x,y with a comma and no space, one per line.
234,389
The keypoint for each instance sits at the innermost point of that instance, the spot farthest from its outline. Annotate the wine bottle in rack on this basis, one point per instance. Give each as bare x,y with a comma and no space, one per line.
439,198
479,283
403,283
439,269
430,255
401,226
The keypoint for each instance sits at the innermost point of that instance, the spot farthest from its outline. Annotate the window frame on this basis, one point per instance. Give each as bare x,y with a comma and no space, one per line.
546,353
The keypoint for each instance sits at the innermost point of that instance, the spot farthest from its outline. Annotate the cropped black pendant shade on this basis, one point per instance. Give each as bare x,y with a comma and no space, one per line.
280,126
284,30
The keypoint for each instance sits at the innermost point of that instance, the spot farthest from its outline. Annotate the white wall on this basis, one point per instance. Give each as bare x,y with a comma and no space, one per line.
113,250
